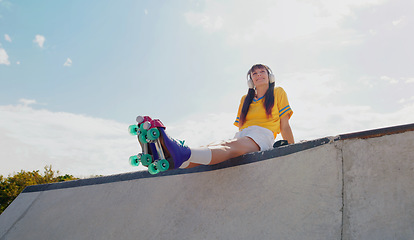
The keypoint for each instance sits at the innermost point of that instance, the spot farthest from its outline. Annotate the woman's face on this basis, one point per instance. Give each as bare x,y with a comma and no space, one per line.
260,76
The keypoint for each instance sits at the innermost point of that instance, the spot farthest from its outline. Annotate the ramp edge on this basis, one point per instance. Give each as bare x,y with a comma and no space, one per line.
242,160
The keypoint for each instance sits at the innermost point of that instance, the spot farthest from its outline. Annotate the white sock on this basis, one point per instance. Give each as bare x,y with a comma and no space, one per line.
199,156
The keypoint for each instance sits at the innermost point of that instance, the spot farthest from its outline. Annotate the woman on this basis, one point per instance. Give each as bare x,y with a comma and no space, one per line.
263,113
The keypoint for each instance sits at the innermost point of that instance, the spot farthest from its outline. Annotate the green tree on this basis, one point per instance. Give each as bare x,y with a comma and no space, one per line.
12,186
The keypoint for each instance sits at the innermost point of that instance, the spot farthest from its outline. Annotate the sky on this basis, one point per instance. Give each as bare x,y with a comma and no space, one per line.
75,74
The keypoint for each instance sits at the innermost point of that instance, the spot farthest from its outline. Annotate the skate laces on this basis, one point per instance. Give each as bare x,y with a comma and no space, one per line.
180,142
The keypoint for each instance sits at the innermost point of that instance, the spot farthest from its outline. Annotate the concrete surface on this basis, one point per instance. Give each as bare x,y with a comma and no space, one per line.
347,187
379,187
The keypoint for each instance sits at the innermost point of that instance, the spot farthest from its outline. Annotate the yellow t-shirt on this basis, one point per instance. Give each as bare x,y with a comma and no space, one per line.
256,116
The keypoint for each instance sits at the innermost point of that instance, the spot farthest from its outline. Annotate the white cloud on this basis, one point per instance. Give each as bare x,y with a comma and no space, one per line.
339,119
325,103
389,79
279,21
373,81
75,144
209,23
68,63
146,11
7,38
409,80
203,129
27,102
367,81
4,58
406,100
18,62
40,40
400,21
323,84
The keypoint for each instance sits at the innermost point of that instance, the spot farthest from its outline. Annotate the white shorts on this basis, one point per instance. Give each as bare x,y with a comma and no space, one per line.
260,135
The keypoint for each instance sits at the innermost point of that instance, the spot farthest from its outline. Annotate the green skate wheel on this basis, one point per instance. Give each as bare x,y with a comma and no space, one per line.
133,129
133,160
153,169
153,134
146,159
163,165
142,138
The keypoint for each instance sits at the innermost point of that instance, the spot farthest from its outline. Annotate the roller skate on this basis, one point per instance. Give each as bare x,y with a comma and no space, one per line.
159,152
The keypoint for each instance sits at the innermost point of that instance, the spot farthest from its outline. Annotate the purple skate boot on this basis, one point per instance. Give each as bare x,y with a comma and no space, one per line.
175,149
160,152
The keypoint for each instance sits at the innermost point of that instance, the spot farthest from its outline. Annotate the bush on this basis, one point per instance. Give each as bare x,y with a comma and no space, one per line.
12,186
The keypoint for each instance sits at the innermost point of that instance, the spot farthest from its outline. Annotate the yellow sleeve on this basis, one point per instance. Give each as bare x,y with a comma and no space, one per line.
236,123
283,103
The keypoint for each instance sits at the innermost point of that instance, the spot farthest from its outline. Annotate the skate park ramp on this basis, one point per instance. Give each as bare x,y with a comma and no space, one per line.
351,186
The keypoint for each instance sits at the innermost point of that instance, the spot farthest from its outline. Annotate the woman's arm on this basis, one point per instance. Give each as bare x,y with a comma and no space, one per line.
286,130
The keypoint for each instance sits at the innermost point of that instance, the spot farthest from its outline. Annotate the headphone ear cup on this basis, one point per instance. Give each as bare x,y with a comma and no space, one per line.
250,83
271,78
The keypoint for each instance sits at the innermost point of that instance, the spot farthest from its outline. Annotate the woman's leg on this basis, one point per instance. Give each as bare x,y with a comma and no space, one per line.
230,149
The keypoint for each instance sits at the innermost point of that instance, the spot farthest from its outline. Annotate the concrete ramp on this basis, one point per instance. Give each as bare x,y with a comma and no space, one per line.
353,186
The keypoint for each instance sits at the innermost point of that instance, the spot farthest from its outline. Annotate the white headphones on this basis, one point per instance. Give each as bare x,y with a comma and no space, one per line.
269,71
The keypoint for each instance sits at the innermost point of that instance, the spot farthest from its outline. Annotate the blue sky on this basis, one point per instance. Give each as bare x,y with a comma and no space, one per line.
75,74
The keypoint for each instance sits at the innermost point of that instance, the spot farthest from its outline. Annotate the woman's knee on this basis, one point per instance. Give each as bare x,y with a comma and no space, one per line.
242,146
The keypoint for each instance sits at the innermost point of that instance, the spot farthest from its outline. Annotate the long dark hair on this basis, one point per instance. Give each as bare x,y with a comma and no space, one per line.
269,97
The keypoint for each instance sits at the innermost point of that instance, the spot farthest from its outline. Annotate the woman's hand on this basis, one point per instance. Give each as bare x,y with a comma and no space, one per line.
286,130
